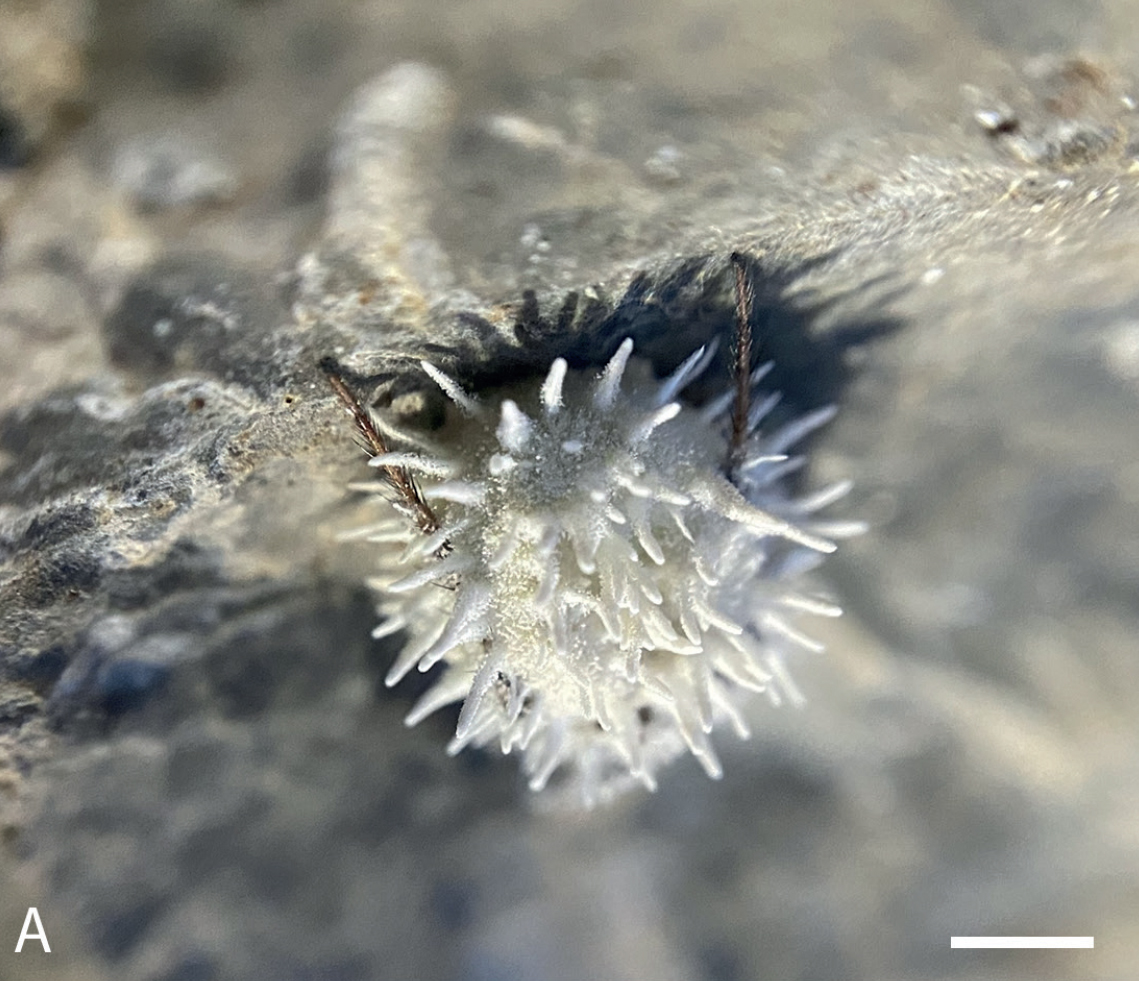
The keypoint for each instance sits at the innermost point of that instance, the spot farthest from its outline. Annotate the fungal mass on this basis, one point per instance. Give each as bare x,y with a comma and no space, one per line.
602,589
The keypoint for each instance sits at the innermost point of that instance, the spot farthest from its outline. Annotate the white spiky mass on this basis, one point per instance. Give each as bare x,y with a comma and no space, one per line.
606,595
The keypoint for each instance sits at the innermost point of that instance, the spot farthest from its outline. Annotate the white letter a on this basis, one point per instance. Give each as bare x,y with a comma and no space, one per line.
33,914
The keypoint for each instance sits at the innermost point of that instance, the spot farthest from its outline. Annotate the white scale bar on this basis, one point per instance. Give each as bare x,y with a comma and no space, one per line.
1034,943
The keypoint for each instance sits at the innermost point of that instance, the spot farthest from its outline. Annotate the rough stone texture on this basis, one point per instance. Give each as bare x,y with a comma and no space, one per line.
200,773
42,72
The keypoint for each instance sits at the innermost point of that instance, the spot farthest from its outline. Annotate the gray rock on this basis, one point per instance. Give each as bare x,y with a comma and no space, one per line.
170,171
43,47
200,771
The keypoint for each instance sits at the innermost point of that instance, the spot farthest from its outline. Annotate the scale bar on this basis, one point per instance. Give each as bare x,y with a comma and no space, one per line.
1034,943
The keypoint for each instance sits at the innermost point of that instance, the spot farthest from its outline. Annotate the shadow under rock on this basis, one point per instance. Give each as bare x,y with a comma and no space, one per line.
668,315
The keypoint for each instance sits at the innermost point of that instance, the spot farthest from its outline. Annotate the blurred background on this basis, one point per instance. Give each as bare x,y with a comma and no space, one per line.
201,774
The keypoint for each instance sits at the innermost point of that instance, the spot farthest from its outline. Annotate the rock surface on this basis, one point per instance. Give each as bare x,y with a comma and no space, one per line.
201,774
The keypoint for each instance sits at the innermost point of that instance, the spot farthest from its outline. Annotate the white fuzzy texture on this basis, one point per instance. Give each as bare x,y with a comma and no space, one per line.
608,595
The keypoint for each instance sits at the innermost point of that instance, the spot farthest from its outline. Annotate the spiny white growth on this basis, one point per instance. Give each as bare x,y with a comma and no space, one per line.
599,591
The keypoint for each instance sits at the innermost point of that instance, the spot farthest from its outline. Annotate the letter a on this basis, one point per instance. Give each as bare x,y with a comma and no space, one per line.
33,914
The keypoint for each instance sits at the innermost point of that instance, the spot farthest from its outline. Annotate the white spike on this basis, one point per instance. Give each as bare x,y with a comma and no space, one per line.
707,758
656,685
450,688
776,624
632,485
482,731
518,690
551,757
779,671
515,427
452,389
761,372
688,625
609,382
822,498
768,524
699,678
659,417
408,437
424,545
728,708
720,496
648,542
590,709
666,495
678,519
810,604
769,472
712,617
482,683
380,533
716,407
530,724
798,562
793,432
381,487
761,460
413,461
467,625
506,546
747,676
411,654
452,565
584,552
691,369
707,576
664,637
550,538
392,625
839,529
698,743
545,594
456,491
501,463
552,387
758,412
650,590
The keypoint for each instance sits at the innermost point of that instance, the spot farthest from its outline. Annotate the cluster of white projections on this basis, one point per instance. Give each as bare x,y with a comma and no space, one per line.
601,594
